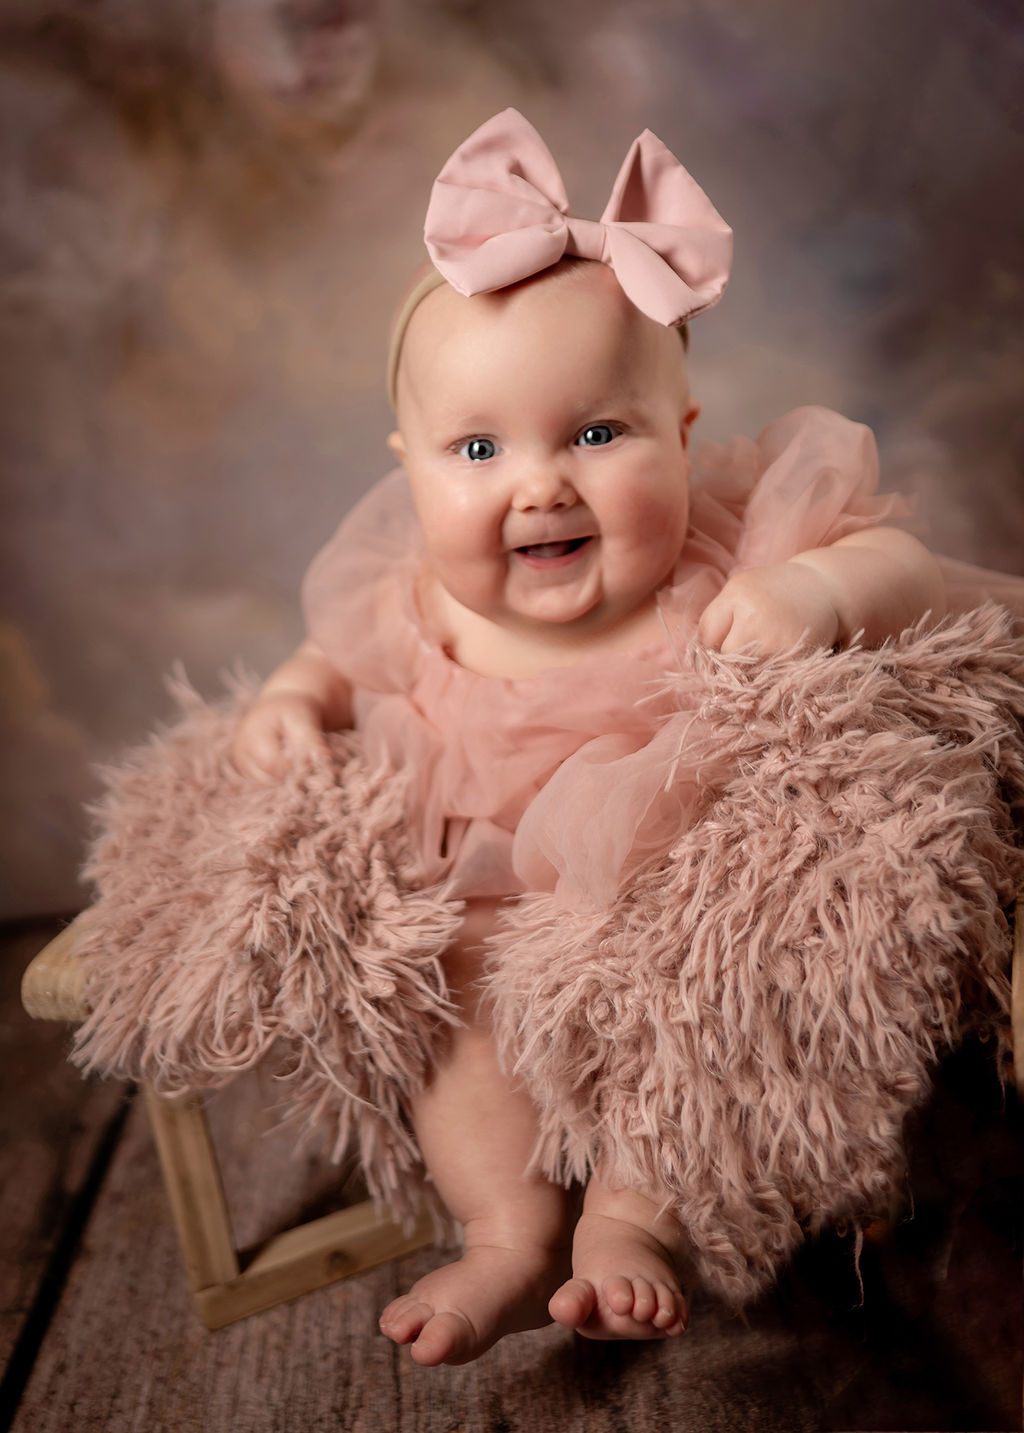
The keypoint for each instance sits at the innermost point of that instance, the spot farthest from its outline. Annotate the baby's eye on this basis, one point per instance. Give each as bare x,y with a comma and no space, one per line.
596,436
478,450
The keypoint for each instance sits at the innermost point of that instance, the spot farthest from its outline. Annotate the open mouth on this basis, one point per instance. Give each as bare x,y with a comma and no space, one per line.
550,551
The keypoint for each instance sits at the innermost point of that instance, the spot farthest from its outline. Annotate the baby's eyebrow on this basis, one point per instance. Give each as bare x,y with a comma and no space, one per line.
452,433
444,426
457,416
610,404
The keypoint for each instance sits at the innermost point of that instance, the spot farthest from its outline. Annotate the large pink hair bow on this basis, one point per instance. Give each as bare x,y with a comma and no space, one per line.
498,213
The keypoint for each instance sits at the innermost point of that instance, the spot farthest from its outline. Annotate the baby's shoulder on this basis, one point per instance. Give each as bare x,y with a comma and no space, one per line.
799,445
808,478
357,594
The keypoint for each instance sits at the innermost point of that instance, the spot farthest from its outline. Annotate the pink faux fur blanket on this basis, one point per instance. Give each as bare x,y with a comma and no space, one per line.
236,922
745,1027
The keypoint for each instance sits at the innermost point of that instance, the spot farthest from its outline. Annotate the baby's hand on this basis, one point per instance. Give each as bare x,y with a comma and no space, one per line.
773,609
277,725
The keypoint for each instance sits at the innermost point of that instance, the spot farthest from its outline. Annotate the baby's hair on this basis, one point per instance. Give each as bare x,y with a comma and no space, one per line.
427,279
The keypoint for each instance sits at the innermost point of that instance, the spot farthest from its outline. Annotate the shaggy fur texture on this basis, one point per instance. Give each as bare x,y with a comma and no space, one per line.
747,1026
236,922
744,1028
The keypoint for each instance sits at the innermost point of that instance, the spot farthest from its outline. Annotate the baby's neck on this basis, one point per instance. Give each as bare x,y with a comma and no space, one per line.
493,650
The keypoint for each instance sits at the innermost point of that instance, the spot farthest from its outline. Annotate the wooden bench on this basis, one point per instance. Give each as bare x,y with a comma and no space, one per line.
292,1263
311,1255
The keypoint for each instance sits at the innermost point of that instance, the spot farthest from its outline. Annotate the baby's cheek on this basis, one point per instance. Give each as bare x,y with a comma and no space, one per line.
464,566
659,519
453,536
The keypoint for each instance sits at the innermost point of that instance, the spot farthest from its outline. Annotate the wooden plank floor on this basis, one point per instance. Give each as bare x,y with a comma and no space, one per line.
97,1331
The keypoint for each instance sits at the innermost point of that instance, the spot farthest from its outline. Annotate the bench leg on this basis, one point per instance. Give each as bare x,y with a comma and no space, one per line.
296,1262
194,1188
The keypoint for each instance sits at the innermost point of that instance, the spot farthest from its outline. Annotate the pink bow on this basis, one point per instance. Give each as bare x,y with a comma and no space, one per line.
498,213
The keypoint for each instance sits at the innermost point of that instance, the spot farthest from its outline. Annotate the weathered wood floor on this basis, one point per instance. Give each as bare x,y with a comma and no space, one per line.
97,1333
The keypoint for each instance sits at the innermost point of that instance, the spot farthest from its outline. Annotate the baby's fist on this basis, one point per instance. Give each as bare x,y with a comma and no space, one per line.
772,609
276,727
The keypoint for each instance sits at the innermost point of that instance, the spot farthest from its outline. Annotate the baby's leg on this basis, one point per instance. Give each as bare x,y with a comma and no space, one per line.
477,1132
625,1259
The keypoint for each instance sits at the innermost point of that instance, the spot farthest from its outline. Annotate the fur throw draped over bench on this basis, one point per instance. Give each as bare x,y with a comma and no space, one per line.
746,1026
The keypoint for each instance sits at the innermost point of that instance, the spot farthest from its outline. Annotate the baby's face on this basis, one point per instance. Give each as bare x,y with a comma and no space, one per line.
544,431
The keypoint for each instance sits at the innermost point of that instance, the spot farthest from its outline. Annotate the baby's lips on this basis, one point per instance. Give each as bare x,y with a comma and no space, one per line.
553,549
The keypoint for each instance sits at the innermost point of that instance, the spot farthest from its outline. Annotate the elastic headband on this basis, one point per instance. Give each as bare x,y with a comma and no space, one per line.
427,283
498,214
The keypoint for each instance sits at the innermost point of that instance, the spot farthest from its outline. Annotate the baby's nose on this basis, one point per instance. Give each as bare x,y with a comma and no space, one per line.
543,485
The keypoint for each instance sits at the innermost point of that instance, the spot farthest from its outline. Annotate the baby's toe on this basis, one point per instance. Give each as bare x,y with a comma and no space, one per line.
620,1294
403,1320
446,1338
645,1301
573,1303
671,1316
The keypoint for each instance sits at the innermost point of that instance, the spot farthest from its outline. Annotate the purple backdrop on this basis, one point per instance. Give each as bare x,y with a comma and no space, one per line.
210,208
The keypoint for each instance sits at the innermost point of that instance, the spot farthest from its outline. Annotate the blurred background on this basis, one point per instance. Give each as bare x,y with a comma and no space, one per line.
209,210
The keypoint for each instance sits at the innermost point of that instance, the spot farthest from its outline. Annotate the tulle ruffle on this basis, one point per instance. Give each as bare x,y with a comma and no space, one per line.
562,781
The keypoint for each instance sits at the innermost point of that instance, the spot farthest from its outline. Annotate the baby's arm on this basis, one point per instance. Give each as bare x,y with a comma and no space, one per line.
298,702
878,581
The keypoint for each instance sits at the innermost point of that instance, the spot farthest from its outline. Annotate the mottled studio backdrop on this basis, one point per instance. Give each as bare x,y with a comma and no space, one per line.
208,210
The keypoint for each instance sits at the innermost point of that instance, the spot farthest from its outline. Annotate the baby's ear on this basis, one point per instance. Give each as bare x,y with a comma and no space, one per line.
397,445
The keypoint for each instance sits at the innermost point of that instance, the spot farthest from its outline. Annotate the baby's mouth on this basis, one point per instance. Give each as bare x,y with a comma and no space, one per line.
546,551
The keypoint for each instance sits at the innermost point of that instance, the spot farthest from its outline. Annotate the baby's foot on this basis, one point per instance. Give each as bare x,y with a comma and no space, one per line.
624,1284
456,1313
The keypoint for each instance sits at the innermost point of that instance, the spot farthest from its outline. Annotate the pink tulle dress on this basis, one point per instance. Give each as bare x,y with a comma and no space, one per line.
560,782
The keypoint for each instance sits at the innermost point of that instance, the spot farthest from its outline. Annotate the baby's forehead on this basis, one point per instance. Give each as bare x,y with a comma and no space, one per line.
564,295
570,296
569,280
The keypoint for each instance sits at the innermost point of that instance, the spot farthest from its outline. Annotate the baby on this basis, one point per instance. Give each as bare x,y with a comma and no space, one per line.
543,423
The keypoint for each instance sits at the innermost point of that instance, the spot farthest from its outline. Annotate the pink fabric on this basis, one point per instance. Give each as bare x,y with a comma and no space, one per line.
559,781
745,1026
748,1023
498,213
237,923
